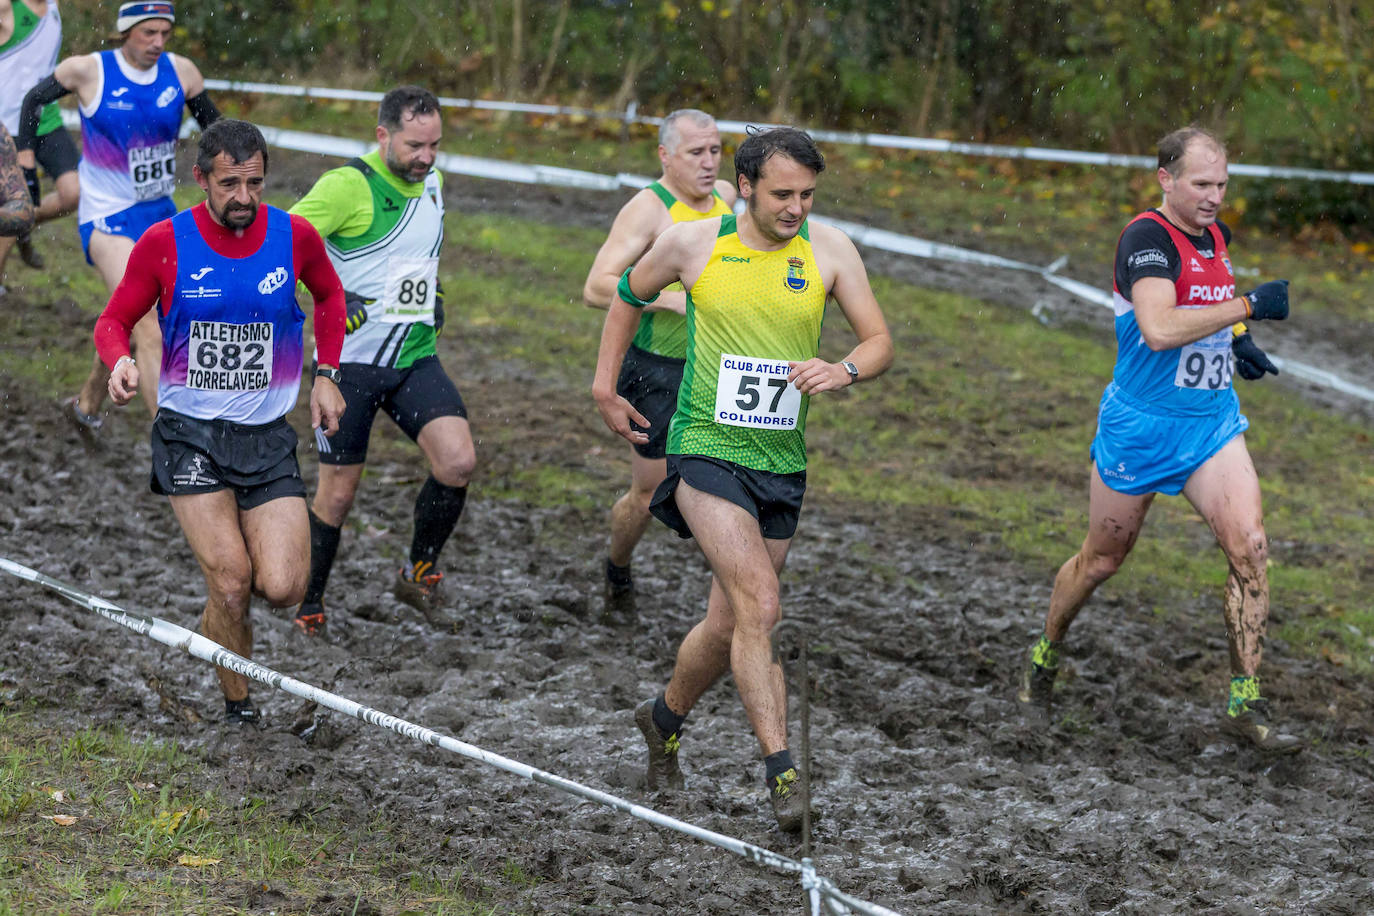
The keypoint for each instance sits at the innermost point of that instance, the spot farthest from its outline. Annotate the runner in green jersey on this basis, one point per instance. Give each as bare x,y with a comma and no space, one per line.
382,219
30,41
756,290
689,150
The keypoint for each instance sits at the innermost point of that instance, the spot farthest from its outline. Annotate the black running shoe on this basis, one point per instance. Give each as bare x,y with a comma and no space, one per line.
662,771
28,254
310,619
421,587
786,798
242,712
87,425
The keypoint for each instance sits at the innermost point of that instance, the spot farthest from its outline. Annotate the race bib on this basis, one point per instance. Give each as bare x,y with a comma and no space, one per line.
1205,364
409,293
153,170
230,357
756,393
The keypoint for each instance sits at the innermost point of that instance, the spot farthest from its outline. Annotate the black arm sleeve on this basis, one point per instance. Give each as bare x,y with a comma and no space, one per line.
47,90
203,110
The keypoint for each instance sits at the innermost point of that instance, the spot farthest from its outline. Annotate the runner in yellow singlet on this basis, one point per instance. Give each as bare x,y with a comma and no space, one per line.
736,468
688,189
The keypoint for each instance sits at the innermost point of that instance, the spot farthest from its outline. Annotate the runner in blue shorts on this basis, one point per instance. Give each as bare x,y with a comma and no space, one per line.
1169,422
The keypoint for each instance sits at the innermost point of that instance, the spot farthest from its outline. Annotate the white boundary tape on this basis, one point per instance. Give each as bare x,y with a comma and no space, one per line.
819,889
888,141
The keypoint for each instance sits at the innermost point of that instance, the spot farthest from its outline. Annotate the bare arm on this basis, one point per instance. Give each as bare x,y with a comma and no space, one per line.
16,210
726,191
1165,326
636,227
192,83
847,281
660,267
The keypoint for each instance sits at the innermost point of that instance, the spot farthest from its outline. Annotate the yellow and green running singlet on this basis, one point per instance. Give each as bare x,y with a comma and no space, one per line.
748,314
665,333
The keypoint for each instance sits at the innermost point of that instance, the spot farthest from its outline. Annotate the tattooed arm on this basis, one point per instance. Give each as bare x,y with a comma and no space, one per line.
16,210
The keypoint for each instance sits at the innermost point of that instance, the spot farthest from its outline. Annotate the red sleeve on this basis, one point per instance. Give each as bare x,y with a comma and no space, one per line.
314,269
148,277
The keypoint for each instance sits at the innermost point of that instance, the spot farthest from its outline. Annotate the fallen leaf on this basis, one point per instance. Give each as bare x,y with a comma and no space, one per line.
196,861
61,820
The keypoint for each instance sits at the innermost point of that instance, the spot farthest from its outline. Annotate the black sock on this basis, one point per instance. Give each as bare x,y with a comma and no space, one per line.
619,576
324,544
665,720
436,513
776,764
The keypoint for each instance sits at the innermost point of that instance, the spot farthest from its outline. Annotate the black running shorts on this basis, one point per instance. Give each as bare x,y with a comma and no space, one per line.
56,152
204,456
774,499
411,397
650,383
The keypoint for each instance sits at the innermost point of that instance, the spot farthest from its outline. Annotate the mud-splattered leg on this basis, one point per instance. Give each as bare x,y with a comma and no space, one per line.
1226,493
1114,521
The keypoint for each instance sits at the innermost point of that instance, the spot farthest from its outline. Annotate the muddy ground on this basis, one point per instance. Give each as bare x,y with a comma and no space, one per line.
936,798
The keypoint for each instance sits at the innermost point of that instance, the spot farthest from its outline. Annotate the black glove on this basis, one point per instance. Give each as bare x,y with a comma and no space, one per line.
1269,301
35,191
1251,362
355,311
438,308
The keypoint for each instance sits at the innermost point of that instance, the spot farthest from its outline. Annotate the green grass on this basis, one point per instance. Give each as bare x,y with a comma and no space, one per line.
141,828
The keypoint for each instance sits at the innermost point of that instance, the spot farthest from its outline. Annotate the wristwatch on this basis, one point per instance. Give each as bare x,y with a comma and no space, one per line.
853,371
334,375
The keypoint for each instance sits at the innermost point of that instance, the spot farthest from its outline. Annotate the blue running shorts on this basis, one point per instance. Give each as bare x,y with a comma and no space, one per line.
131,222
1138,451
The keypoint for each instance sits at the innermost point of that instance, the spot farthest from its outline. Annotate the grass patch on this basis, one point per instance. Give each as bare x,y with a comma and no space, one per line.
97,821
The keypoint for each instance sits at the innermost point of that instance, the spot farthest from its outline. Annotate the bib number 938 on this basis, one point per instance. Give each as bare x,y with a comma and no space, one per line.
1205,365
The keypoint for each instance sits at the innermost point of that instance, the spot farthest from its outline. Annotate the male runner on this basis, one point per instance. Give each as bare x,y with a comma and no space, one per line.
382,218
223,275
756,291
30,39
16,210
130,101
1170,421
689,150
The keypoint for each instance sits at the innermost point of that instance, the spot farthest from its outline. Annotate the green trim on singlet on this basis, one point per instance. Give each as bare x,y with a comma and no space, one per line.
389,204
663,194
727,226
25,21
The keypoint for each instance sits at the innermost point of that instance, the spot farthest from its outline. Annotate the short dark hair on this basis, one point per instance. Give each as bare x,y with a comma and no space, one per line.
238,139
1174,145
762,144
405,100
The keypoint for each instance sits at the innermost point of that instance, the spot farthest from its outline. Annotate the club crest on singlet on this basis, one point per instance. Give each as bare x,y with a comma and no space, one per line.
796,275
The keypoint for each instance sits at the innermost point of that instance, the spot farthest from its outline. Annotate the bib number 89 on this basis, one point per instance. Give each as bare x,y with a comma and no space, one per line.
413,292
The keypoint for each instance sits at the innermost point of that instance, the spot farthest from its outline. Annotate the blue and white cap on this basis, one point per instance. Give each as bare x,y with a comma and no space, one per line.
131,14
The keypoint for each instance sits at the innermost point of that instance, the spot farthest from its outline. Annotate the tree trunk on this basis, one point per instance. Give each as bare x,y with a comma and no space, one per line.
515,79
555,44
